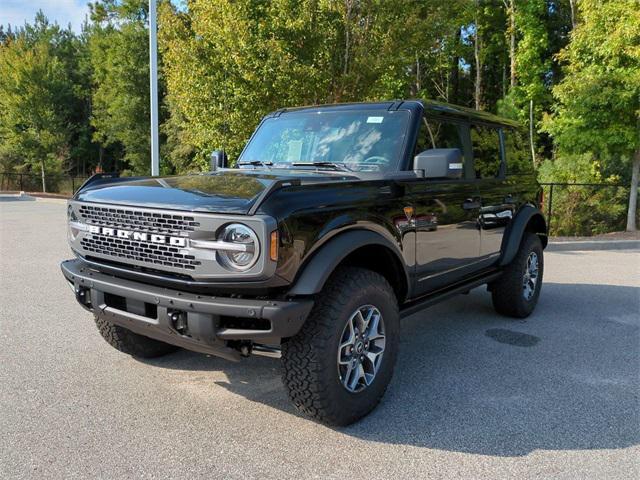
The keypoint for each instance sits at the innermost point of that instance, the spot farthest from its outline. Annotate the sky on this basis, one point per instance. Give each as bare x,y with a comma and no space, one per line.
17,12
65,12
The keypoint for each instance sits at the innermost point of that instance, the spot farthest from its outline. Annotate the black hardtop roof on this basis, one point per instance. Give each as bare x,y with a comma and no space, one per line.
429,106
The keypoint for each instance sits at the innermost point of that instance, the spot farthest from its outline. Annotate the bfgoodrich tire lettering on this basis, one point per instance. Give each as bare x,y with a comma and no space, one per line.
128,342
309,359
509,294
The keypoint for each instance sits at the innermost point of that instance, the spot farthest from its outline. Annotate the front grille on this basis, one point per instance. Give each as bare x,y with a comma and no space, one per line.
152,222
134,244
147,252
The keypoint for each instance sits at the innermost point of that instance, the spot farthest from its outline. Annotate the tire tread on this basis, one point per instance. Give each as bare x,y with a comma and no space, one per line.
506,292
304,374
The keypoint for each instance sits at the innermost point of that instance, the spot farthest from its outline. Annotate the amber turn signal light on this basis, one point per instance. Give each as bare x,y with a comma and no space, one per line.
273,247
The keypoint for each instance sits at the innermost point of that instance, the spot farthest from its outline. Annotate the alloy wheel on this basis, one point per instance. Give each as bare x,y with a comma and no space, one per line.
361,348
530,278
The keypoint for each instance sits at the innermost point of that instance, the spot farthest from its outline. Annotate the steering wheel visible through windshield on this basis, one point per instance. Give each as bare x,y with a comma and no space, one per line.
370,140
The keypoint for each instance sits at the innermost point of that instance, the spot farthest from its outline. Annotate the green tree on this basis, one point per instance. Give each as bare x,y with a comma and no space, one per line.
530,62
68,50
35,95
6,34
584,210
119,61
598,101
227,63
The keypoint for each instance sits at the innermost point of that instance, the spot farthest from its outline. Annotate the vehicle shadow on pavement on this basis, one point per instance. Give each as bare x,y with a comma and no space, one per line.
468,380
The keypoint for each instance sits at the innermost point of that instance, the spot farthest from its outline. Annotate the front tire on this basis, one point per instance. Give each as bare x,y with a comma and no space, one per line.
337,368
516,292
131,343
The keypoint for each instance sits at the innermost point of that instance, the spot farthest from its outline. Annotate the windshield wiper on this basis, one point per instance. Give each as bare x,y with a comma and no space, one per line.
256,163
336,166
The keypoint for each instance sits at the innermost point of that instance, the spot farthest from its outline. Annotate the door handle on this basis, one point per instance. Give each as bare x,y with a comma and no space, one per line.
471,204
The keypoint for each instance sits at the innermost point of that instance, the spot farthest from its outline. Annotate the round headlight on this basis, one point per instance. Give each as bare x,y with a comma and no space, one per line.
248,248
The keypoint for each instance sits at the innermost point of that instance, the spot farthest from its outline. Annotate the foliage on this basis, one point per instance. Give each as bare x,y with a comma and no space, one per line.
229,63
34,101
584,210
597,108
598,101
119,49
79,102
43,98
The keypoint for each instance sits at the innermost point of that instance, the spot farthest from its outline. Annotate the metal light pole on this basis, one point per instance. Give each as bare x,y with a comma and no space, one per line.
153,78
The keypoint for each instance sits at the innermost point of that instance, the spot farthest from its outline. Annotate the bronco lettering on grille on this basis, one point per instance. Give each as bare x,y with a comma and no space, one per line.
140,236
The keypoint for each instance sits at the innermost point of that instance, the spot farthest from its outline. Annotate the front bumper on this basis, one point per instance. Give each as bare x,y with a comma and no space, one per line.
192,321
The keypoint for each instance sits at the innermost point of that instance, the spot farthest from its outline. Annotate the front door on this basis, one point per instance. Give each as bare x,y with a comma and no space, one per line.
447,236
446,212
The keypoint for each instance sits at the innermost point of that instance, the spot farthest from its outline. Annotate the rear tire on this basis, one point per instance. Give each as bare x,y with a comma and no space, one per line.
131,343
337,368
516,292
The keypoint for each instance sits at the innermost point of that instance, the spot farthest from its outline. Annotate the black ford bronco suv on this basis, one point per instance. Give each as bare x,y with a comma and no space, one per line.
337,221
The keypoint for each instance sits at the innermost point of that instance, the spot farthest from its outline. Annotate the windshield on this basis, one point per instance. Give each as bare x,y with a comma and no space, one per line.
369,140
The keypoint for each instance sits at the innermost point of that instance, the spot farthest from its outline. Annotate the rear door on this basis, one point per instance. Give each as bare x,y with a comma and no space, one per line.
446,212
499,196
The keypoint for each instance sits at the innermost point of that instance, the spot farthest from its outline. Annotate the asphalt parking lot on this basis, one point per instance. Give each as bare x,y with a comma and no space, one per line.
475,395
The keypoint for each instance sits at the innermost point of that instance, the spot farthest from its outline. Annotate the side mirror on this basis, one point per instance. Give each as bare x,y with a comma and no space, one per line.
440,163
218,160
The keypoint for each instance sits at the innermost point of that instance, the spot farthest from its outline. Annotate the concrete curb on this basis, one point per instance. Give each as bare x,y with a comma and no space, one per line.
593,245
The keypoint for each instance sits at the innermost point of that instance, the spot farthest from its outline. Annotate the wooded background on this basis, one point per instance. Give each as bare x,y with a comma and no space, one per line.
76,102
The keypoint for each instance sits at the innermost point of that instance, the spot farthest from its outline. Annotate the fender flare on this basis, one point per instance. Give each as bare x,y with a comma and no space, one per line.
516,229
317,270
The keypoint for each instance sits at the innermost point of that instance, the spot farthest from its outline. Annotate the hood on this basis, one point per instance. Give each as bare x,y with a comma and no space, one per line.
225,191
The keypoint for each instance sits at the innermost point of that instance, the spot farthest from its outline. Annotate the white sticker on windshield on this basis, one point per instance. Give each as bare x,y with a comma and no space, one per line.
375,119
295,151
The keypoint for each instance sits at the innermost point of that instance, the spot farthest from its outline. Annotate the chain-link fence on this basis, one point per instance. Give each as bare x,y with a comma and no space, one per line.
31,182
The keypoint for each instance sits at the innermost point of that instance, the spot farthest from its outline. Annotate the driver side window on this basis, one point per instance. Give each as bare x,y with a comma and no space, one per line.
440,134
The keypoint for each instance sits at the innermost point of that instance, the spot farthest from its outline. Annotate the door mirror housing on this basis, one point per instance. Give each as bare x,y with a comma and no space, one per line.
440,163
218,160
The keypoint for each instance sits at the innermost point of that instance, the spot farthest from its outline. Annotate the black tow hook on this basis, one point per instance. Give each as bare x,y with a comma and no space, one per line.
179,321
245,347
82,296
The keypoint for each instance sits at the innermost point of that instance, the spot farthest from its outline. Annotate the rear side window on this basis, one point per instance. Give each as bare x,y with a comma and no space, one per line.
517,152
486,151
